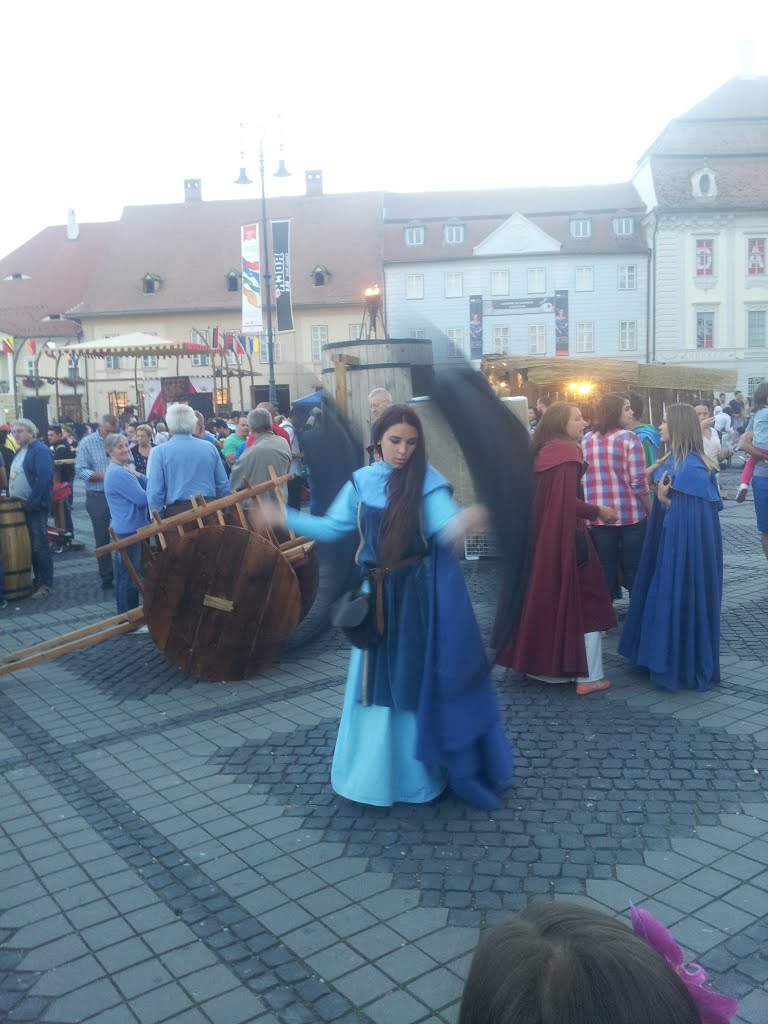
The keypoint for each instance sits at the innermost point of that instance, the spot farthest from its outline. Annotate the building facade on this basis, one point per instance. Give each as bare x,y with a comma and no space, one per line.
704,185
545,272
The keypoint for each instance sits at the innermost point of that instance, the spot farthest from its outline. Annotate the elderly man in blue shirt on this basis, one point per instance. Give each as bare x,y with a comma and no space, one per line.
183,468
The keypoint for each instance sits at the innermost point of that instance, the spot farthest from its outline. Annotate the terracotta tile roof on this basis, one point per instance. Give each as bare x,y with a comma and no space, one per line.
56,272
482,212
192,246
742,182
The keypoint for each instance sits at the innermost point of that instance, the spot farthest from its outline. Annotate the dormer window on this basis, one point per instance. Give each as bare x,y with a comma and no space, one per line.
17,277
581,227
704,184
623,226
233,281
453,234
414,235
150,283
320,276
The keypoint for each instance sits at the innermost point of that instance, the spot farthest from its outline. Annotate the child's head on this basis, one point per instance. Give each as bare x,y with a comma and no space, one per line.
560,963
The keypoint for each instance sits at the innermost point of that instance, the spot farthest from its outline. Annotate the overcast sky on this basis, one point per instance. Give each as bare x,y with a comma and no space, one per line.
108,105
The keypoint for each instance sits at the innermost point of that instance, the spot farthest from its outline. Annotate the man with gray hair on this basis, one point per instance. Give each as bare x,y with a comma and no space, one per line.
267,451
31,481
91,461
184,467
379,400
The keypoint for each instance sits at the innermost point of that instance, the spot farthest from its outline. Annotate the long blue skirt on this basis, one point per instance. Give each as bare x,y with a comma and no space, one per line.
673,623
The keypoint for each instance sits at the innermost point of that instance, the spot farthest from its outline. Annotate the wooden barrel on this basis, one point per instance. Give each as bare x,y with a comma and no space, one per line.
15,549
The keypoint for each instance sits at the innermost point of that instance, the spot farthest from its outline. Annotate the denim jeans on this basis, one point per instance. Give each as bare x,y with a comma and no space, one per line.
126,592
619,547
97,508
42,559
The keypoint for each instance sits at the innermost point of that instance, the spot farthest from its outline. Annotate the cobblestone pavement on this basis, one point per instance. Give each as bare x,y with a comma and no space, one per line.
172,850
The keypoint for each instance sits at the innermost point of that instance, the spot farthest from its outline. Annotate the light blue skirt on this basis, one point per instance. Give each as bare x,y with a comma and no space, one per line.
373,762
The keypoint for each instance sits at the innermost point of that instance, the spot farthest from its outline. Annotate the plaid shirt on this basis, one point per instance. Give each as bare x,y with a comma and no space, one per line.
615,474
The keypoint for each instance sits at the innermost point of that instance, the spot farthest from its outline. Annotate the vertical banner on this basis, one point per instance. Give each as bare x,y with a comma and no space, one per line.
281,260
249,240
475,326
561,323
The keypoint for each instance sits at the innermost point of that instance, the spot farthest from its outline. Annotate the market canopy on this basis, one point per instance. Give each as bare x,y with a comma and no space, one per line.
311,400
136,344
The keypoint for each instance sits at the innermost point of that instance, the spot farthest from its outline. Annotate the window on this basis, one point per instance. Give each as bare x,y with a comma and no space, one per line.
319,337
537,339
150,283
455,342
454,234
112,362
756,257
73,368
414,286
320,277
499,282
149,362
623,225
417,332
198,337
705,329
703,184
355,332
585,336
581,227
537,280
705,257
221,397
233,281
31,367
17,277
585,279
414,236
454,285
200,359
627,278
501,340
628,335
277,347
118,400
756,328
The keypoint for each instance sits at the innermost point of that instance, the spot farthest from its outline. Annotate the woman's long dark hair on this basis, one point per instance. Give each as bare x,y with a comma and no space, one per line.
402,513
553,425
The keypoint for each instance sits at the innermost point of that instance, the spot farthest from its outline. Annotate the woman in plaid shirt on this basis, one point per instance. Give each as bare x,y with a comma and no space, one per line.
616,477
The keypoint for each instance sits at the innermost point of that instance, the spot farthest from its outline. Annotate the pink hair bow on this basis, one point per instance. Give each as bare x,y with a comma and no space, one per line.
713,1008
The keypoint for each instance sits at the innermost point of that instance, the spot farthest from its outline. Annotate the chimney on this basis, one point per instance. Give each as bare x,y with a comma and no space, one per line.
314,182
73,230
193,190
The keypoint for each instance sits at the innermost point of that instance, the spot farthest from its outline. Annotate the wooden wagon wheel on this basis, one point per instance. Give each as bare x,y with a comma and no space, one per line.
220,602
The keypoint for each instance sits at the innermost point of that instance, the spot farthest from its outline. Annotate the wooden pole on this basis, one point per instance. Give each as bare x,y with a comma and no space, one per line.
128,564
135,616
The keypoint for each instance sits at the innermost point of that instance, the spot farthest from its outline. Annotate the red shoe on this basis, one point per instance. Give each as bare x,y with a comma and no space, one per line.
582,689
742,495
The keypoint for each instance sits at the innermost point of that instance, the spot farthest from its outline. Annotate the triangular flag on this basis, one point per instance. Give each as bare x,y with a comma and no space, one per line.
7,344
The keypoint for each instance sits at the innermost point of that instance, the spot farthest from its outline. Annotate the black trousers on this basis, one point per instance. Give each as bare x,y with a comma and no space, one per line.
97,508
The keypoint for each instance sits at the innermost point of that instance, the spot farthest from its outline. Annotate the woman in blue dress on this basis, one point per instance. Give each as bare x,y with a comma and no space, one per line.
673,623
420,712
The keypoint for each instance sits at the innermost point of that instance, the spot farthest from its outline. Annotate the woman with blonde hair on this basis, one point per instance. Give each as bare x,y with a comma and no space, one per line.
673,623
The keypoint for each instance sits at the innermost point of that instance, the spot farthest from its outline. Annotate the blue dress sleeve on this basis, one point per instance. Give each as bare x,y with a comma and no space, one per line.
439,509
339,520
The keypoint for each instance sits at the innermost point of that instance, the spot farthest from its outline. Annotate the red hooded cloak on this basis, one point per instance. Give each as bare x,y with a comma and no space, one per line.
563,600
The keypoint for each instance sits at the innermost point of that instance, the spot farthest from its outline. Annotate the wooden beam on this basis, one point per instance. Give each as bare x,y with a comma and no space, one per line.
135,615
221,603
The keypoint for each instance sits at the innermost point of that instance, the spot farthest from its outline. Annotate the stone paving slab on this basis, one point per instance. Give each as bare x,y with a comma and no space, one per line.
172,851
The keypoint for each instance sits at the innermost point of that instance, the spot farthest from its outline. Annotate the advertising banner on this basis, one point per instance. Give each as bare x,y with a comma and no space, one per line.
475,326
249,240
281,261
561,323
540,304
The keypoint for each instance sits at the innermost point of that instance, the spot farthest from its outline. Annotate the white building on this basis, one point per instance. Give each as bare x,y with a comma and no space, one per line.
558,271
704,183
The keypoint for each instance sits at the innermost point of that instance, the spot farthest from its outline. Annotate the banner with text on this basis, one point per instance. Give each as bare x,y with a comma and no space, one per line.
475,326
499,307
249,240
562,332
281,261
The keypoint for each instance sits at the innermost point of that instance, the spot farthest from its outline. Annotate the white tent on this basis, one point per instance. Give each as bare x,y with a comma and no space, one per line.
136,344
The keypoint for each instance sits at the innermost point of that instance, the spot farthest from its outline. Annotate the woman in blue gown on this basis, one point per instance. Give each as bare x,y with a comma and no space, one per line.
420,712
673,623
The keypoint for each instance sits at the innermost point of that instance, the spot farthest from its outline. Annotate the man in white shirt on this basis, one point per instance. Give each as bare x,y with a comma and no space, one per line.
722,422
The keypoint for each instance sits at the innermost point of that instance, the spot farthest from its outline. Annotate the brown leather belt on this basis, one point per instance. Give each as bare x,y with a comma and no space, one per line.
378,575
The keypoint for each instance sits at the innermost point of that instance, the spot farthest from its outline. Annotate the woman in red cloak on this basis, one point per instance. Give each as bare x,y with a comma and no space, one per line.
567,603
